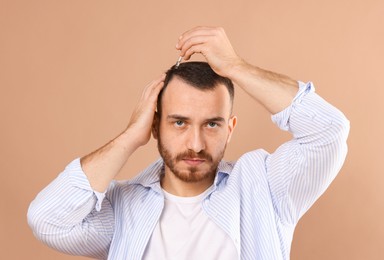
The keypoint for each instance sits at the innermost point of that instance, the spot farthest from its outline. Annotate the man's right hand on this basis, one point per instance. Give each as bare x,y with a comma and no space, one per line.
102,165
140,124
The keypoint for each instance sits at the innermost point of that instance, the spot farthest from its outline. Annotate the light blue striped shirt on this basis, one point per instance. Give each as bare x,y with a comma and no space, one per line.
256,200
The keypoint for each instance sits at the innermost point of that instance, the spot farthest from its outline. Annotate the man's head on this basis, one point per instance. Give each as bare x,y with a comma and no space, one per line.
194,121
199,75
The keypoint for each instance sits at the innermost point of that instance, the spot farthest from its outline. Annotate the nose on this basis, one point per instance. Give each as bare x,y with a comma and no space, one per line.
196,140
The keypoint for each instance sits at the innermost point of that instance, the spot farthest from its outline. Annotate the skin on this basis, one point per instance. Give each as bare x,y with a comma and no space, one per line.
274,91
199,136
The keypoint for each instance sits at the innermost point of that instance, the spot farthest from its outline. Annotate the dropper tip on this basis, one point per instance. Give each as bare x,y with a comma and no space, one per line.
178,62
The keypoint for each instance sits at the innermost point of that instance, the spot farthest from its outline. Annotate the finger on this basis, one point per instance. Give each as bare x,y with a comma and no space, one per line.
156,90
153,84
200,31
193,41
195,49
154,93
197,31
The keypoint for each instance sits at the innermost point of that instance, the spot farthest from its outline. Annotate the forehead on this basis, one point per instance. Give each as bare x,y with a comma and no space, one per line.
180,97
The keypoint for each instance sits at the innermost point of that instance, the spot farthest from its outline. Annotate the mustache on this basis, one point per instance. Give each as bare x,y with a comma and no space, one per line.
191,154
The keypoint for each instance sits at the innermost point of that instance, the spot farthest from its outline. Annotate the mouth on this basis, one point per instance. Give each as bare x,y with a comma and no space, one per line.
193,161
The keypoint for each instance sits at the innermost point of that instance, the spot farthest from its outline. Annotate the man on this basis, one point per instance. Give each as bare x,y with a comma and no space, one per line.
190,204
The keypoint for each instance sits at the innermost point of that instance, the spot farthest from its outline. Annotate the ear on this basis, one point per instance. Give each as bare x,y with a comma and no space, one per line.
155,125
231,127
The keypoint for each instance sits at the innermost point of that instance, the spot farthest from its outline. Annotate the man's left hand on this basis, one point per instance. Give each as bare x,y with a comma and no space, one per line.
214,45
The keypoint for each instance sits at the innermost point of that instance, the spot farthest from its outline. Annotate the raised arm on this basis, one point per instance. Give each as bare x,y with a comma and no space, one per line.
102,165
301,169
68,214
274,91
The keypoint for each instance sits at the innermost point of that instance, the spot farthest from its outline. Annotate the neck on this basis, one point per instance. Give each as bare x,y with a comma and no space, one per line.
172,184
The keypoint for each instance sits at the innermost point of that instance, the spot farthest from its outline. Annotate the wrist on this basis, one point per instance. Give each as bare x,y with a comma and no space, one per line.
132,138
237,70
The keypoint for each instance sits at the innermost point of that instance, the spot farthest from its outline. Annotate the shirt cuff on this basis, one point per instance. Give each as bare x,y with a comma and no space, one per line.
281,119
79,179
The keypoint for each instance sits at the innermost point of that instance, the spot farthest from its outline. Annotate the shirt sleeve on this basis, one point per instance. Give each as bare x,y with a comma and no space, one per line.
300,170
68,215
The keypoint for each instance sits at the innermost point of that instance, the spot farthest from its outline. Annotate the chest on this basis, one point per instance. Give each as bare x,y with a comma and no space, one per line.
245,219
184,231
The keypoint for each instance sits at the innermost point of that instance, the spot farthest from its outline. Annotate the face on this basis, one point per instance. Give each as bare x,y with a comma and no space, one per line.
194,129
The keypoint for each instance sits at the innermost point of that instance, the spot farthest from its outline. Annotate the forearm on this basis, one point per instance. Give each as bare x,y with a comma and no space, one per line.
274,91
102,165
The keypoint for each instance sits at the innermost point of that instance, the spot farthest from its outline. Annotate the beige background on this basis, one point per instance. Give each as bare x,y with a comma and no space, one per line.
71,72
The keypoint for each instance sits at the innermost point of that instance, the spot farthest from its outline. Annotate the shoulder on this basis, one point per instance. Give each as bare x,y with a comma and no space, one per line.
250,165
255,158
139,186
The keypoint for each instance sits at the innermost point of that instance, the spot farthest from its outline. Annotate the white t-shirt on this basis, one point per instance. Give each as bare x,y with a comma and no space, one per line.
184,232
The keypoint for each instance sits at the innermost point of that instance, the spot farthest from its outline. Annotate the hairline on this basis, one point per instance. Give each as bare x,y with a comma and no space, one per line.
210,88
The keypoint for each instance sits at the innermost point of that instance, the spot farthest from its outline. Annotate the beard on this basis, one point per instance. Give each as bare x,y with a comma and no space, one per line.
190,174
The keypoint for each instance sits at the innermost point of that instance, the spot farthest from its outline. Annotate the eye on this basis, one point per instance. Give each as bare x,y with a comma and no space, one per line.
212,124
179,123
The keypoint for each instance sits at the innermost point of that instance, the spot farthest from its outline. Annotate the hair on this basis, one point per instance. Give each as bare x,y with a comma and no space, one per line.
199,75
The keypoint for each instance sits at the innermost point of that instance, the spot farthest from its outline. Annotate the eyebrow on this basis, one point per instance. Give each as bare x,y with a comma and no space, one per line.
215,119
178,117
184,118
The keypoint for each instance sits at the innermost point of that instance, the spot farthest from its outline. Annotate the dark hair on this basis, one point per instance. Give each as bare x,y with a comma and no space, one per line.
198,74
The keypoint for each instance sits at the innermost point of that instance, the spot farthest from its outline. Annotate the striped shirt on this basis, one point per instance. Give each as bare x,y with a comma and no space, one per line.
256,200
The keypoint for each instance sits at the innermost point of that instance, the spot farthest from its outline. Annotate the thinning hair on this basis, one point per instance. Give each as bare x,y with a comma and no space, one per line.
199,75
